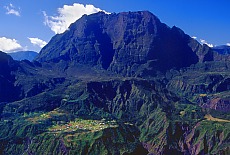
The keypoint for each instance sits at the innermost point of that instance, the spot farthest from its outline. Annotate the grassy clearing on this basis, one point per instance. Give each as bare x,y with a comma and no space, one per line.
210,118
46,116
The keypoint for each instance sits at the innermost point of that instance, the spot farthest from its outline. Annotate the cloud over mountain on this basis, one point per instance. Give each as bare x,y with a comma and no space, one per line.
37,42
205,42
9,45
12,10
194,37
67,15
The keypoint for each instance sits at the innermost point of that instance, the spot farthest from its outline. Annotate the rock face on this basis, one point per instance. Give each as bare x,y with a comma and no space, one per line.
218,104
123,42
212,77
206,141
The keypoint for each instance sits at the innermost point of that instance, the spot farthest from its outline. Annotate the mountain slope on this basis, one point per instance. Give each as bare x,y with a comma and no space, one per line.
8,92
19,79
23,55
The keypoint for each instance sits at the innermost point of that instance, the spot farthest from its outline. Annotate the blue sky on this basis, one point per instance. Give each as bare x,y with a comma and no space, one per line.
29,25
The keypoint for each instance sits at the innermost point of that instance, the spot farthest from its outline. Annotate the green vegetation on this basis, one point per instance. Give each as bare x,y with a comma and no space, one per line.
185,113
210,131
111,117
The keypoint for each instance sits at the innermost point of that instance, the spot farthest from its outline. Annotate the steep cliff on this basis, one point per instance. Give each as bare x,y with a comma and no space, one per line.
124,43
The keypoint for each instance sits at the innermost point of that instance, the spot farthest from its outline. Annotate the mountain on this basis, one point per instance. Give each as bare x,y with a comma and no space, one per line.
23,55
20,79
116,84
223,49
124,43
221,53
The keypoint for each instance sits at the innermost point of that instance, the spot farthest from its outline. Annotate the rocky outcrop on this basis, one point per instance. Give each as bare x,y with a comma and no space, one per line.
203,52
206,139
196,84
211,77
218,104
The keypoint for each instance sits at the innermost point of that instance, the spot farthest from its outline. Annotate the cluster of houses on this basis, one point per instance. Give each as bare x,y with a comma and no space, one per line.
84,126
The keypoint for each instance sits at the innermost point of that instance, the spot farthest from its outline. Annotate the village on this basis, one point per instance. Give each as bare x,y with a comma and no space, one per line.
77,125
83,126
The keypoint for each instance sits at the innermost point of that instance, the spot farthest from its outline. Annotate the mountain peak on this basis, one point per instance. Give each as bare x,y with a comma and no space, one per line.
122,43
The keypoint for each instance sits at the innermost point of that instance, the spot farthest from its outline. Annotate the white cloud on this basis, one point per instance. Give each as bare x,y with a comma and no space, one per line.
194,37
37,42
9,45
228,44
67,15
205,42
11,9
